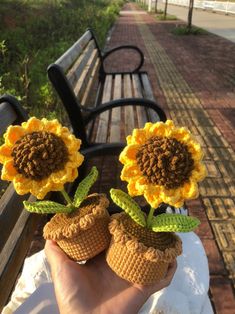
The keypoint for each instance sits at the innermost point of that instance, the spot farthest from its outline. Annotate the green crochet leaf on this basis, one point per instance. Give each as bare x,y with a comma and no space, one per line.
46,207
174,223
124,201
84,186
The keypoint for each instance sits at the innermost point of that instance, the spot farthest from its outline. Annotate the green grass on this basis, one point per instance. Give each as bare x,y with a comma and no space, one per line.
34,33
184,30
169,17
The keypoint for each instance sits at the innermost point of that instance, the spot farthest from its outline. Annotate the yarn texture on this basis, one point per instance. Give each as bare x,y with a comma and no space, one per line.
83,233
140,255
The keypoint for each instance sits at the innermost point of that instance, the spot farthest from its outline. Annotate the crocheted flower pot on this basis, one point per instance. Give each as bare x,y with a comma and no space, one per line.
138,254
83,233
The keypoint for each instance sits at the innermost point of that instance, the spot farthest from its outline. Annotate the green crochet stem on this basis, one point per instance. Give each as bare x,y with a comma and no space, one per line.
66,197
84,187
46,207
124,201
150,217
174,223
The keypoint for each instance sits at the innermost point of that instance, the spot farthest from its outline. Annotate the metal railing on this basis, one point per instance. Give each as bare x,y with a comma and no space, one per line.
226,7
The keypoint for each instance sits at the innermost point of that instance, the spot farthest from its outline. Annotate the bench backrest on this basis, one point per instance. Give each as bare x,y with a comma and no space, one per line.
16,224
74,75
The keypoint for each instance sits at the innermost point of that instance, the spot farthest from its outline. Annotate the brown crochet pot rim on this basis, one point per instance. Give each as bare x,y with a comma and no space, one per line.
73,229
120,236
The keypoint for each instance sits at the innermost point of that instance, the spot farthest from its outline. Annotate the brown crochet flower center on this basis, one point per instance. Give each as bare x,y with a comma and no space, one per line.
165,161
36,155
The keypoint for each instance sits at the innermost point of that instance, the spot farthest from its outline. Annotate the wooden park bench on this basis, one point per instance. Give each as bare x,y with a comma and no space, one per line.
103,106
16,224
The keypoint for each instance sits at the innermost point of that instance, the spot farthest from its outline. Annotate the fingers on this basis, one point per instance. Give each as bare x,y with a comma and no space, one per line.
169,276
167,279
171,271
54,254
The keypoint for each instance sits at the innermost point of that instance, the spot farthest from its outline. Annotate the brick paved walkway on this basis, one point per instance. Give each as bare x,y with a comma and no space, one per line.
194,81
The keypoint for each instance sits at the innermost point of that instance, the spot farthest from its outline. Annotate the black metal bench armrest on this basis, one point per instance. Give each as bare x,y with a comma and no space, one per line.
21,112
126,102
126,47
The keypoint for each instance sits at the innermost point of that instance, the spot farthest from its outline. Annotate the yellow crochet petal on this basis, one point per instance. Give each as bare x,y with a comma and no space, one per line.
22,185
181,134
75,161
190,190
170,127
141,184
52,126
41,189
73,174
148,127
132,190
138,136
129,153
63,176
158,129
8,171
33,125
199,172
129,139
5,153
129,171
170,124
153,196
137,186
71,141
195,149
178,204
171,197
13,134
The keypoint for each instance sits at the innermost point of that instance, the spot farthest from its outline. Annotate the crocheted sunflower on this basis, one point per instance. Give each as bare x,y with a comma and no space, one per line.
163,163
39,156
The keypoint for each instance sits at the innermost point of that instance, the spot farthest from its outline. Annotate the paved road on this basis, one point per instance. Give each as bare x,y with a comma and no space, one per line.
219,24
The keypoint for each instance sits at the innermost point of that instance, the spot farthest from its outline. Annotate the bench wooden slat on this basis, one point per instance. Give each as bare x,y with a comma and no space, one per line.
149,95
115,127
147,87
129,110
101,136
14,252
90,85
9,115
89,98
137,86
76,70
81,84
10,209
68,58
141,111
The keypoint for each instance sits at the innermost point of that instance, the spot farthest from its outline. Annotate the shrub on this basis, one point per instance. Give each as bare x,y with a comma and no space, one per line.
168,17
184,30
34,33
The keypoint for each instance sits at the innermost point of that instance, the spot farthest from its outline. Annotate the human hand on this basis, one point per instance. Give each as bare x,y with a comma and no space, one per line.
94,288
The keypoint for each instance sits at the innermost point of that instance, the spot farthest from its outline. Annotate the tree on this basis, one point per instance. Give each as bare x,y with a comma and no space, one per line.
190,14
165,10
155,8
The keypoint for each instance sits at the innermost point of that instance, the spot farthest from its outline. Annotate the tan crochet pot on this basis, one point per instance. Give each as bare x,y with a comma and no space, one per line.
83,233
140,255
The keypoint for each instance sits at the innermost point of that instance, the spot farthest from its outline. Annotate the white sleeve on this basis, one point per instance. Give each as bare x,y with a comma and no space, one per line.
35,272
